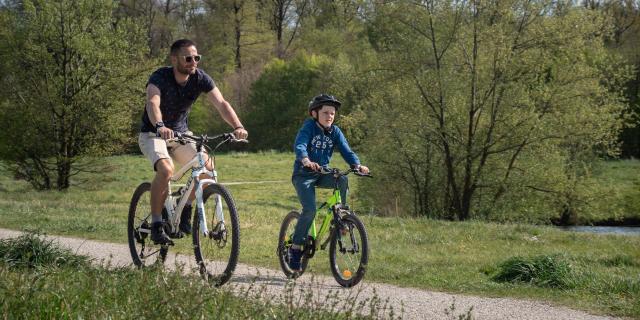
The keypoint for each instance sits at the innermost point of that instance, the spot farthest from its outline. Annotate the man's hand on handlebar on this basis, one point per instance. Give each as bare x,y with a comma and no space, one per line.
240,133
165,133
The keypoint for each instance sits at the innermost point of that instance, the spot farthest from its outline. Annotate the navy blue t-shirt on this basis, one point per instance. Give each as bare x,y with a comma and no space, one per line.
176,100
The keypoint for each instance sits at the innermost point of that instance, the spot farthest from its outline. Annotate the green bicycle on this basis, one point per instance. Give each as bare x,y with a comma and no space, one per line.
341,229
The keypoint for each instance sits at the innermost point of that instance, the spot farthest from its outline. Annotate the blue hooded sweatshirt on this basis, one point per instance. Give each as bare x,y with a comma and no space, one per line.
313,142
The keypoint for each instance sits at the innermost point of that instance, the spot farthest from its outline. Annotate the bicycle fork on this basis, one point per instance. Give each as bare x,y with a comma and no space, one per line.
342,230
220,227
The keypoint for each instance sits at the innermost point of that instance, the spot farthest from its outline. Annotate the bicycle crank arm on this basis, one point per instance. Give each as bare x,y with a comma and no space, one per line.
143,230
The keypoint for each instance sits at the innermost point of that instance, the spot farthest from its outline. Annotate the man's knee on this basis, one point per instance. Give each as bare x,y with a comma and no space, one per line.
164,169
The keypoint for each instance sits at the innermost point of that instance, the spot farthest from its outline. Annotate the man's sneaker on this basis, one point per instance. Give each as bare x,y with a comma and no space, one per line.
295,258
158,236
185,220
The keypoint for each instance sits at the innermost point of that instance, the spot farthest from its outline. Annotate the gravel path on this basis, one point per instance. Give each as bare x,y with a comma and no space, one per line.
417,304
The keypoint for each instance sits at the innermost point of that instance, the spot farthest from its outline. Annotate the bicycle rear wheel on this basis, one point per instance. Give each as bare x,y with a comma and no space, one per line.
349,251
217,252
285,240
143,251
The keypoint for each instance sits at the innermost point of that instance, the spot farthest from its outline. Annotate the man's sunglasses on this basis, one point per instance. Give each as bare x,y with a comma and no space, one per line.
190,59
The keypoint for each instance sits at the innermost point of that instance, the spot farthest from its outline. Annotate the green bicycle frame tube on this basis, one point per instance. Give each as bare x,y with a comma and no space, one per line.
333,200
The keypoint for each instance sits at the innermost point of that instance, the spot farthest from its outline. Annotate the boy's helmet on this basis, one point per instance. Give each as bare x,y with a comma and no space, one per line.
323,99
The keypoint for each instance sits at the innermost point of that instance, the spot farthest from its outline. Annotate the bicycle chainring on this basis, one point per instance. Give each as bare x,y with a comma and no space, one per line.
141,236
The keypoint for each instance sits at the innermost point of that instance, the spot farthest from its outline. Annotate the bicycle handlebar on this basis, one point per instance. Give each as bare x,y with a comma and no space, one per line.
338,172
204,138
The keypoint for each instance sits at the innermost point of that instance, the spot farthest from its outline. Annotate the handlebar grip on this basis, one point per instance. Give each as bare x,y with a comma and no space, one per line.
368,175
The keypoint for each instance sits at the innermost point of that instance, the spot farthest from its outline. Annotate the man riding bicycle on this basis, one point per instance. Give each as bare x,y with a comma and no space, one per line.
314,146
171,92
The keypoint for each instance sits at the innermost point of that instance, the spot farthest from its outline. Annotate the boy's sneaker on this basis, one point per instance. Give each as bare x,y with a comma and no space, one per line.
185,220
158,236
295,258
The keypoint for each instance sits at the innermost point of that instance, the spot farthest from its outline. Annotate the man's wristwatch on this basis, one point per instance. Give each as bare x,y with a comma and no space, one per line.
159,124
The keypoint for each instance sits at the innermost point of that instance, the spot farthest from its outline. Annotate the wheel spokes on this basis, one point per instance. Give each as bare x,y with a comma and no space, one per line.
348,254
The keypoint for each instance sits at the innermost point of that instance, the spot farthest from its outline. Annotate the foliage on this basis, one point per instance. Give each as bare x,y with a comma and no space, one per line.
72,78
624,18
279,99
500,101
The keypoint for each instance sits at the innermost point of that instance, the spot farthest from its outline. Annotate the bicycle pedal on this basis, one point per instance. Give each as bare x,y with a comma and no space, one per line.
168,243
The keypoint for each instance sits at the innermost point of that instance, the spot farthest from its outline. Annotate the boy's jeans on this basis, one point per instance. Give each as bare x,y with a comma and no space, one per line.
305,184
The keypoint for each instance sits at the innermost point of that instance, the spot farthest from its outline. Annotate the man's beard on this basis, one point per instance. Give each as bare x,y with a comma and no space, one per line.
185,71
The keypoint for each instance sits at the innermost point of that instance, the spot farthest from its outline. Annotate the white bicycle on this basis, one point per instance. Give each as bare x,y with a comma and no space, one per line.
216,241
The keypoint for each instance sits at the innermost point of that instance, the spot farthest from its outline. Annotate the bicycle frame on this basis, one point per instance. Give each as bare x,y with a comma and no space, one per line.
326,221
197,167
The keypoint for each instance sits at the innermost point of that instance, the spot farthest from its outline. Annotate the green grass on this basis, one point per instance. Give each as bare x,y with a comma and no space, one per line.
457,257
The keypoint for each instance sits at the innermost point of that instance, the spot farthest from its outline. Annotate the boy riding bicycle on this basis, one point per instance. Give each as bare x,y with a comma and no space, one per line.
314,146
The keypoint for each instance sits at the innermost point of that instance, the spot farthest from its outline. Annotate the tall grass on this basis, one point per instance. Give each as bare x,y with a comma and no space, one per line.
32,250
545,271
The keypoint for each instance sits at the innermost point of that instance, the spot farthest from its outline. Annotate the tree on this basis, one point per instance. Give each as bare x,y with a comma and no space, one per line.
500,101
279,99
284,18
624,17
72,77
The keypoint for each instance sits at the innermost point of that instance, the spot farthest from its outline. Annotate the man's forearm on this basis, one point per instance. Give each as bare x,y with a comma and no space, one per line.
154,113
230,116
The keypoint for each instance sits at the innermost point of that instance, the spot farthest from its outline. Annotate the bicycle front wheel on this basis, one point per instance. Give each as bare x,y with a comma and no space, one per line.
349,251
217,251
143,251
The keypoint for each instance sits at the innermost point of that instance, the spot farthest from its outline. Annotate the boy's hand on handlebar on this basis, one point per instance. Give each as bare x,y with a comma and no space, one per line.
311,165
363,169
164,133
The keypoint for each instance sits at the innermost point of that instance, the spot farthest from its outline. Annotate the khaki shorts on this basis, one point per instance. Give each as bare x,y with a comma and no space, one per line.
156,148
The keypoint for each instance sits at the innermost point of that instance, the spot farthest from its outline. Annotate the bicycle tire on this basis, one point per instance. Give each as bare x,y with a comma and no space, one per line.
342,261
140,245
217,263
284,243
